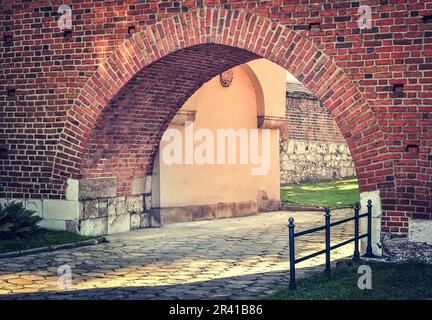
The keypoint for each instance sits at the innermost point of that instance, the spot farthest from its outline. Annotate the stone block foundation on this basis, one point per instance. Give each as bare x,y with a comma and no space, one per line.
103,212
93,208
205,212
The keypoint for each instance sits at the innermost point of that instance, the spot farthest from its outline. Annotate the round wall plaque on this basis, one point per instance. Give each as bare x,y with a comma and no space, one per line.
226,78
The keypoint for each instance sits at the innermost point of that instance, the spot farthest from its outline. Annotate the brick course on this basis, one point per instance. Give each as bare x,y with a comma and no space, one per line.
60,94
307,119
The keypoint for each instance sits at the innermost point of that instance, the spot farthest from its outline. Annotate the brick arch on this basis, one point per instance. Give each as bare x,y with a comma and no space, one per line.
215,39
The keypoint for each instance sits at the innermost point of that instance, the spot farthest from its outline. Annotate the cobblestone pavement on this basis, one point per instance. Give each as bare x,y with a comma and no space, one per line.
238,258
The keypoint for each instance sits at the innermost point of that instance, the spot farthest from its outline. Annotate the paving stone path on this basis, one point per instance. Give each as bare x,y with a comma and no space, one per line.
239,258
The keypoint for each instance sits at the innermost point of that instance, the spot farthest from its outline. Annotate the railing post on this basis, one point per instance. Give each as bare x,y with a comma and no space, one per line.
327,238
291,225
356,231
369,229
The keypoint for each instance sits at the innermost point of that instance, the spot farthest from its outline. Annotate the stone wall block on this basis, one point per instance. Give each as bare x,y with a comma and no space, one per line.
97,188
138,184
145,220
111,204
120,206
148,202
119,223
420,230
135,221
134,204
103,207
148,185
93,227
90,209
36,205
72,226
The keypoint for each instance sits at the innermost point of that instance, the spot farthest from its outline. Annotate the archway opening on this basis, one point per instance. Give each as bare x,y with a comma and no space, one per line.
219,157
317,168
118,181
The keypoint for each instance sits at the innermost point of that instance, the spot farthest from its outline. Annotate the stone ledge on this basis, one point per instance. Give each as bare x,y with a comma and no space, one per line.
183,116
270,122
61,209
297,94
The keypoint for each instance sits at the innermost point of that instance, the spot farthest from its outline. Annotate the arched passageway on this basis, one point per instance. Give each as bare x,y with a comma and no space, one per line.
113,131
144,71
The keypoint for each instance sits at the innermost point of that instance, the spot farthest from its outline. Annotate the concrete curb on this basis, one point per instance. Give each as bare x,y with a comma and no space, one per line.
55,247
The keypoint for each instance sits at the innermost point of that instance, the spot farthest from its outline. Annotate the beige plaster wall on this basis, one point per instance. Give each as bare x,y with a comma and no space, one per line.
272,79
259,85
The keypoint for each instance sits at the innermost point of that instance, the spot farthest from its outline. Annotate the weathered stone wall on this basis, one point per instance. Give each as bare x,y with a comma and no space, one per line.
105,212
314,160
311,145
93,207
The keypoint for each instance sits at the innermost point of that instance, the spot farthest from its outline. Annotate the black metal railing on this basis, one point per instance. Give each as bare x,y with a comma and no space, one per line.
328,248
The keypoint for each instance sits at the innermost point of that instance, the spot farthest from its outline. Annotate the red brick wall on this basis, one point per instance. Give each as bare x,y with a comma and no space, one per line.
67,89
308,120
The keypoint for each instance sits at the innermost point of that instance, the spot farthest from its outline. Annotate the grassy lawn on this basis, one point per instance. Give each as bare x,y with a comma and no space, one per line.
41,238
389,282
332,194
